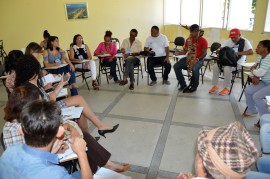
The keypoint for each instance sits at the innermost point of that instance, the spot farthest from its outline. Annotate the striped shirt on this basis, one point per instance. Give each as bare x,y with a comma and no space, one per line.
264,64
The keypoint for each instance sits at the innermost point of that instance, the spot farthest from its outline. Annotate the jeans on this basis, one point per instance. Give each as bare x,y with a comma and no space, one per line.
152,61
65,69
254,98
112,66
265,136
263,165
129,67
182,64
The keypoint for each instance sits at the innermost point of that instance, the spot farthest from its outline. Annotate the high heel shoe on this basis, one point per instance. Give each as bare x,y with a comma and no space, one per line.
125,168
103,132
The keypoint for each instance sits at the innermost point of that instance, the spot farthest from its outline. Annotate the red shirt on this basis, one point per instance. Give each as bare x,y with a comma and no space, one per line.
202,44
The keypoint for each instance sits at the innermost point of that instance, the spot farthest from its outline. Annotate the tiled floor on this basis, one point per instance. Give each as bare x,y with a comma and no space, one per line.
158,125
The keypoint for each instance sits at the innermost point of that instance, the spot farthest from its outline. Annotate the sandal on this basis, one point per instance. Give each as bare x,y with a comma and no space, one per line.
95,85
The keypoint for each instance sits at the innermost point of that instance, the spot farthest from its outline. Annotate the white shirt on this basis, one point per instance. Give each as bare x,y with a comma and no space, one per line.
136,46
157,44
230,43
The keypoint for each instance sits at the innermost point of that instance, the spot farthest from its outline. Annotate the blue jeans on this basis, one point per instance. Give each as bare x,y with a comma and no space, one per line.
65,70
254,98
112,66
263,165
182,64
265,134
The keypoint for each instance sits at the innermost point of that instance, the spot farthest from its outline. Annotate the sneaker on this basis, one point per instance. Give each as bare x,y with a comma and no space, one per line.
245,114
214,89
152,83
166,82
224,92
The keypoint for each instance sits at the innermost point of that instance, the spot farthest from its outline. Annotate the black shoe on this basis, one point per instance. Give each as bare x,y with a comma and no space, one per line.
192,89
186,90
103,132
97,138
182,87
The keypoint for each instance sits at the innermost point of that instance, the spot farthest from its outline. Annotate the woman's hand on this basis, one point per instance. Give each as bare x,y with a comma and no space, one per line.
110,59
71,67
255,80
185,176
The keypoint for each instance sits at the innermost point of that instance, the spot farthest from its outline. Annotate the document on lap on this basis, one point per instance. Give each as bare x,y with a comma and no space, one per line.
51,79
71,112
62,93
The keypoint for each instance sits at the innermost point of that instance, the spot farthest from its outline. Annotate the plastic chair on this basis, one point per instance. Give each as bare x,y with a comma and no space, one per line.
103,69
117,42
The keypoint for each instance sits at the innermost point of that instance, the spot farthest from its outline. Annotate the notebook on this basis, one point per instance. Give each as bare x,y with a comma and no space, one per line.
71,112
50,78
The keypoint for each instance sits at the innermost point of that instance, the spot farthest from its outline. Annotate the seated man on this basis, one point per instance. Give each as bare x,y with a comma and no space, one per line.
196,49
41,126
130,48
160,45
243,47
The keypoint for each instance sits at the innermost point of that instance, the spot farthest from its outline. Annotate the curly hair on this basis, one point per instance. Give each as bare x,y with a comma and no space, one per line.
27,68
46,34
32,47
108,34
17,99
266,44
75,38
11,60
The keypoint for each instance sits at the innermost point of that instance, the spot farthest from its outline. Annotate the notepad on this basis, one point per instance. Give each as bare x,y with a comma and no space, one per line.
71,112
68,155
50,78
63,92
104,173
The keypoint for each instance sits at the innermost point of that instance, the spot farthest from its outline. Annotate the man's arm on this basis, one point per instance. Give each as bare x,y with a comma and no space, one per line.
204,52
79,146
167,54
247,52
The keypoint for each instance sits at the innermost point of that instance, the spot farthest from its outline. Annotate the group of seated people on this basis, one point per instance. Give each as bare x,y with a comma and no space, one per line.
28,126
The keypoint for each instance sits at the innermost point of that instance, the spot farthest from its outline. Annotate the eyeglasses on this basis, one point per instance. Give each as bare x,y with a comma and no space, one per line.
80,39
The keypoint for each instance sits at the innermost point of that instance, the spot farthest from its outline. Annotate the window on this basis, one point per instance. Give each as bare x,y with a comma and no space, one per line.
212,13
267,19
190,12
171,12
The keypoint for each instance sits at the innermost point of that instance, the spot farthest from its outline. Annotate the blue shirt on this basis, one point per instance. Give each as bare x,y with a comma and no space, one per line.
22,161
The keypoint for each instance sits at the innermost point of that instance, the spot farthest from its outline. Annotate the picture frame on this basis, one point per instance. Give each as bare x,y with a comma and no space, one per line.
76,11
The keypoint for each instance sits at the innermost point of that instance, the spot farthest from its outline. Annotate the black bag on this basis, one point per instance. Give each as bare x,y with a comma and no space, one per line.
227,57
148,53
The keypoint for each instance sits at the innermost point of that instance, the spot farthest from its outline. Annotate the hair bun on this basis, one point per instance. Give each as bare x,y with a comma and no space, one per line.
109,33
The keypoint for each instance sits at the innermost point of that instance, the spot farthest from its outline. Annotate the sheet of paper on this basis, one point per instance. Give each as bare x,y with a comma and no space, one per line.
68,155
104,173
71,112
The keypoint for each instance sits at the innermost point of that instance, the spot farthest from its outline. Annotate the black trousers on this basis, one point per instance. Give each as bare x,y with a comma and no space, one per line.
152,61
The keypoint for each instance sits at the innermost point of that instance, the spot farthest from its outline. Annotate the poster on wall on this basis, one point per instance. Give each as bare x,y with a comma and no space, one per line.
76,11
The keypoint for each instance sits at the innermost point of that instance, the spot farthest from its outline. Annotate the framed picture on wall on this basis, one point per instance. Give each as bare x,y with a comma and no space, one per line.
75,11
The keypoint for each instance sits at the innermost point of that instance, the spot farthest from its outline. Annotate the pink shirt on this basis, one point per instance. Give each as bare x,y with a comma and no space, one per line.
111,49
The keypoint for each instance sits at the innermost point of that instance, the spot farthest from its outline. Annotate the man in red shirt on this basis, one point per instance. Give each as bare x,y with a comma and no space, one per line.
195,50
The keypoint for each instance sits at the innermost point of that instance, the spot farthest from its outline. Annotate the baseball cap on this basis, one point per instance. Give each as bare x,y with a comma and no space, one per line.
234,33
194,27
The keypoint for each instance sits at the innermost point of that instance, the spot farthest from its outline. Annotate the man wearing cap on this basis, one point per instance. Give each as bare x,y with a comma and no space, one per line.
195,48
242,48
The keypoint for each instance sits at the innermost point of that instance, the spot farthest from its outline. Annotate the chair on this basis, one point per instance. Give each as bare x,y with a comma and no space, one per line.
213,56
137,69
249,79
103,69
157,69
3,54
117,42
178,42
81,71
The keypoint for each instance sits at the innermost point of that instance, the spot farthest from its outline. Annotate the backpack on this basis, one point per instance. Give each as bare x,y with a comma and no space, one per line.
227,57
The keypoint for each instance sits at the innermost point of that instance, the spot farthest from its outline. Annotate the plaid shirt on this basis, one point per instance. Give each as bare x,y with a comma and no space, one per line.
11,133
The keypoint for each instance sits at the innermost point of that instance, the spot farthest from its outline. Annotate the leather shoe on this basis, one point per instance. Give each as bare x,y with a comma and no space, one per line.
182,88
192,89
125,168
186,89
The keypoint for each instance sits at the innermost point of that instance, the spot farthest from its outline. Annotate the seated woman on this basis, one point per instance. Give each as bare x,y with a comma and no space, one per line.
55,56
97,155
109,48
224,152
10,64
28,74
43,43
80,51
260,87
